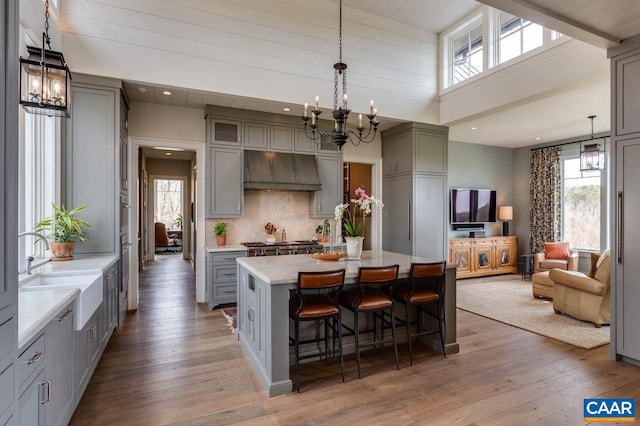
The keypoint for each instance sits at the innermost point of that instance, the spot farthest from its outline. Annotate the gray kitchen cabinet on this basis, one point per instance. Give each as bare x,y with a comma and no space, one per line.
124,144
32,400
322,203
224,182
415,190
87,349
9,137
92,132
221,277
33,389
328,147
301,143
625,202
280,137
59,368
111,302
223,131
256,135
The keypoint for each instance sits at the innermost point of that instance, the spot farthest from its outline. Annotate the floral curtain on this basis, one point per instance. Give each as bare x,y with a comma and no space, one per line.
544,197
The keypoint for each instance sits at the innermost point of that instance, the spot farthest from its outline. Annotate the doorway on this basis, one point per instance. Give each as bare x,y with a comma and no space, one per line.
168,214
357,174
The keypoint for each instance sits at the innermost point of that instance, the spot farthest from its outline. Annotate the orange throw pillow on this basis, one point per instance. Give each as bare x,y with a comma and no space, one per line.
594,264
556,250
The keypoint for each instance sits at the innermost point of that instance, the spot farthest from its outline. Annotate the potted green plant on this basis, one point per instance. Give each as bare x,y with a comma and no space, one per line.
220,231
63,229
179,221
323,231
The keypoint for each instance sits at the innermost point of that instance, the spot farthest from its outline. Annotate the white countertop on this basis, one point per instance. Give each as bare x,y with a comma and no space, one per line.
284,269
229,247
37,308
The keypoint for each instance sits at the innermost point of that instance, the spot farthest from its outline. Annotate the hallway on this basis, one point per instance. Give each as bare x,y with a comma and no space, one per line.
177,362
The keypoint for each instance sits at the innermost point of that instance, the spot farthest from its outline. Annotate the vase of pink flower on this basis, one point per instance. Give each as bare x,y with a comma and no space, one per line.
353,216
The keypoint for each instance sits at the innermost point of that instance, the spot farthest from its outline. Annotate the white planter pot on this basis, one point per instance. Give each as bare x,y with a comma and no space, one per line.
354,247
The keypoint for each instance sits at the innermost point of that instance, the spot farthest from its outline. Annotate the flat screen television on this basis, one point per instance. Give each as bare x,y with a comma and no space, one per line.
473,205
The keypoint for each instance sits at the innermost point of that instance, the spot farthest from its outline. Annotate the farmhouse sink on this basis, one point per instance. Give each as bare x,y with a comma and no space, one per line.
90,286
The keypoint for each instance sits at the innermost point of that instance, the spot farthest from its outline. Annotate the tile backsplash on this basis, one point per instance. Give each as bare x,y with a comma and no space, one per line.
287,210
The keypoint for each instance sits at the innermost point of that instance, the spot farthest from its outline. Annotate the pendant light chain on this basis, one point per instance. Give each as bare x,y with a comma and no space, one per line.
47,39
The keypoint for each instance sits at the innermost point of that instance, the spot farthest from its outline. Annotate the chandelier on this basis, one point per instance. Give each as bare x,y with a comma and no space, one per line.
44,78
340,133
591,154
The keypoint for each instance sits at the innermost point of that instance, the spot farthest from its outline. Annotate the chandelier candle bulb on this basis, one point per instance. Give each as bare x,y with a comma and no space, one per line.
360,120
317,99
306,106
344,102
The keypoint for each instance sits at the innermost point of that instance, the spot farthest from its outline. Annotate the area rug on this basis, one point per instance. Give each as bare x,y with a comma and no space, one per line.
231,314
511,302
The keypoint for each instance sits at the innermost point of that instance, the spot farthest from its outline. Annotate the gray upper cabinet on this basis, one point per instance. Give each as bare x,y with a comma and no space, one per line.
281,137
415,187
223,131
256,135
90,163
323,203
224,196
301,143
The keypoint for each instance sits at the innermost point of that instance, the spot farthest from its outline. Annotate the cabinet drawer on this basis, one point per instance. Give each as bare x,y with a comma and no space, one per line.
223,257
31,359
224,291
224,273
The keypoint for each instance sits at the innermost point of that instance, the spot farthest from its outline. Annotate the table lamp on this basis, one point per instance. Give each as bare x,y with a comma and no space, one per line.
505,213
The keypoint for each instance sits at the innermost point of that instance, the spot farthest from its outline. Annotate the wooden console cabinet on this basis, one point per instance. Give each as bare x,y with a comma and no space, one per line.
477,257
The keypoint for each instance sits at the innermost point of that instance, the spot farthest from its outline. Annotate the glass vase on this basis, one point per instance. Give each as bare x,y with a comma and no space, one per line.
354,247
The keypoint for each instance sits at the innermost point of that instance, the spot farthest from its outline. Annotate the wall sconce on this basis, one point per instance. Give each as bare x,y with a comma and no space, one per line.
505,213
44,78
591,156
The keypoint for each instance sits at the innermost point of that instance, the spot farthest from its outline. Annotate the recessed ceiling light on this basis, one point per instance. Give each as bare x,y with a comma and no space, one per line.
166,93
168,154
538,138
142,89
286,109
474,128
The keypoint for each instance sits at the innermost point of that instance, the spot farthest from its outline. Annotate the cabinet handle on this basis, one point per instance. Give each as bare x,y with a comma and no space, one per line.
250,313
230,274
92,333
619,226
46,385
35,358
66,315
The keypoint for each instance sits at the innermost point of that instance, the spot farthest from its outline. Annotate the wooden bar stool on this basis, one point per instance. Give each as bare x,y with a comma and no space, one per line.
314,300
369,297
425,286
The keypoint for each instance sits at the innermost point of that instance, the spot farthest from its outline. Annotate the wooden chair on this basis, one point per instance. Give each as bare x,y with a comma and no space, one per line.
370,298
315,299
425,287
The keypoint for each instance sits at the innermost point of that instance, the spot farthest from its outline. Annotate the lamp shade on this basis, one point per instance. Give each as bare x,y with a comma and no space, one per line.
505,213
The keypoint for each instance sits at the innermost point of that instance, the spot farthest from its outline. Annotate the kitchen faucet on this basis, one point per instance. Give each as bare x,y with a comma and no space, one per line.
30,259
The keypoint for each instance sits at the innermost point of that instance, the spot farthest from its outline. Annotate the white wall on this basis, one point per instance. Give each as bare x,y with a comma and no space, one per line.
236,47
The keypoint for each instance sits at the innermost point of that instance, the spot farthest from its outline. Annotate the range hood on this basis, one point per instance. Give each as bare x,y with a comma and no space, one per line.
280,171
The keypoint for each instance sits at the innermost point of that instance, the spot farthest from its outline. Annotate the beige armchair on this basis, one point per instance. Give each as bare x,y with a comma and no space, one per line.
582,297
541,263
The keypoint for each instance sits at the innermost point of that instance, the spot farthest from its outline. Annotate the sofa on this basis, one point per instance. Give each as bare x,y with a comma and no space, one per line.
581,296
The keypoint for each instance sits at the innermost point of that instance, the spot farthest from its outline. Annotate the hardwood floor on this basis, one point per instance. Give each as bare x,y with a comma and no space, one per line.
176,362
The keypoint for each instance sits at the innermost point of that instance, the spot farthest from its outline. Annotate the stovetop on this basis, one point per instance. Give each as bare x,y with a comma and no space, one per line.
282,244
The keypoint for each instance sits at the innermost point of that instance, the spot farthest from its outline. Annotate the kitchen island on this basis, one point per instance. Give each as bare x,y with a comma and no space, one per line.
264,285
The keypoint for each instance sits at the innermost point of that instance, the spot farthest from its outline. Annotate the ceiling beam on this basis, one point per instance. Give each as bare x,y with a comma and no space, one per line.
554,21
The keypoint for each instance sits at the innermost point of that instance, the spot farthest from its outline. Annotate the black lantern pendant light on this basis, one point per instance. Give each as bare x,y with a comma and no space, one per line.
591,153
44,78
340,133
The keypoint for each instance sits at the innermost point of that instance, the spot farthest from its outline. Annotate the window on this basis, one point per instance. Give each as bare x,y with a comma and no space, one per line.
168,202
486,39
467,55
39,139
517,36
580,206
